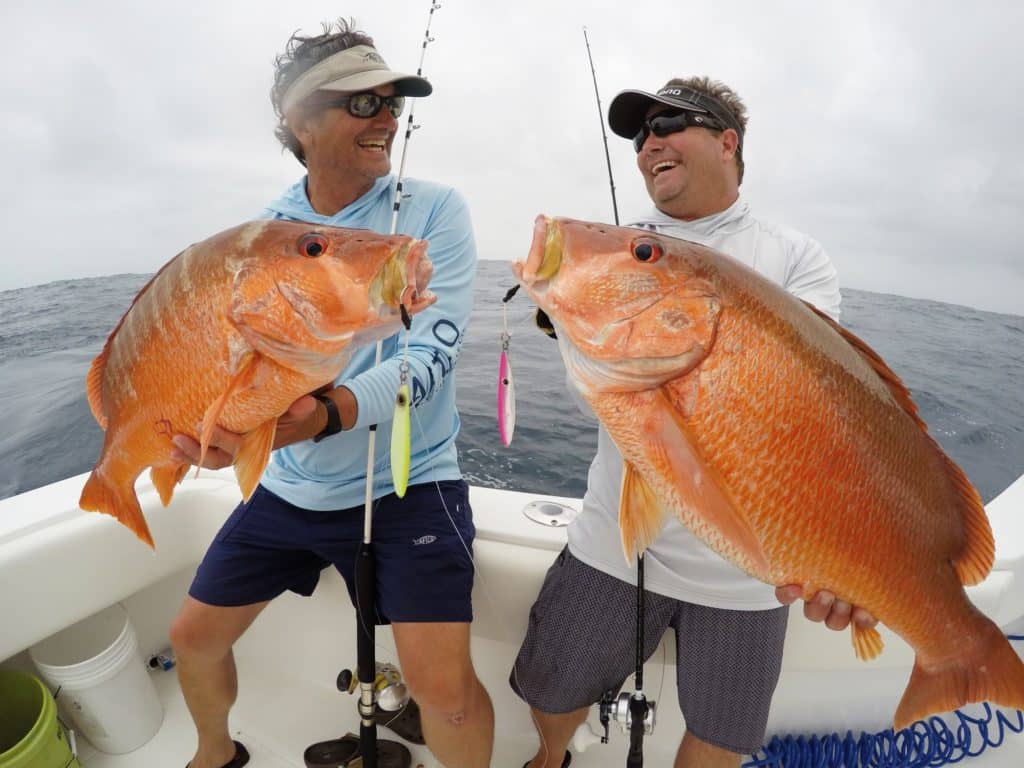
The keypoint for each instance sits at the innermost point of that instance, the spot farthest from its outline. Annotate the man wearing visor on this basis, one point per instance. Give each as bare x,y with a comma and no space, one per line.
337,105
729,627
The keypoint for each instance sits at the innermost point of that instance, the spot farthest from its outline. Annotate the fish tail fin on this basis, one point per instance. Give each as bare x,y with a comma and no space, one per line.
641,513
116,500
992,672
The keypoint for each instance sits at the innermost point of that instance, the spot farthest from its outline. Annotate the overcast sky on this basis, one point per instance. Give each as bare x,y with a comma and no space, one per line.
888,131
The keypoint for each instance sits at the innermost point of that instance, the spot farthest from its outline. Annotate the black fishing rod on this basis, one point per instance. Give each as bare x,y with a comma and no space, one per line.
604,136
366,572
333,752
632,712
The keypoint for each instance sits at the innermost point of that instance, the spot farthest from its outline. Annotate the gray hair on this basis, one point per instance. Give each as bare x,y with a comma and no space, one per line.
300,54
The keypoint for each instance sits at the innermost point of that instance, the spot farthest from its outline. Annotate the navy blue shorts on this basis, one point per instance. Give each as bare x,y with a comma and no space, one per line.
422,549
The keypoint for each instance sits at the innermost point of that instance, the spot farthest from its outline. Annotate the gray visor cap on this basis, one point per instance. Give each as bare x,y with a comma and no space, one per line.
628,109
359,68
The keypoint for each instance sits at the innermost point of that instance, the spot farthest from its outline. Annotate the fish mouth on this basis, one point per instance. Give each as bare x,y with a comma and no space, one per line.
544,259
403,280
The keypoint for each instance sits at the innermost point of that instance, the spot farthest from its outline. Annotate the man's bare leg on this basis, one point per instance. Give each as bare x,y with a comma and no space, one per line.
694,753
455,710
202,636
555,732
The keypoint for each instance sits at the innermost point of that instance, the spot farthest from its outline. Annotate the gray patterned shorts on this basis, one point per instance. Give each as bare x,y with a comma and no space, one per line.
581,642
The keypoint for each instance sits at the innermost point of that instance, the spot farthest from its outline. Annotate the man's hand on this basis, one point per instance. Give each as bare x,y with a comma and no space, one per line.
303,420
824,606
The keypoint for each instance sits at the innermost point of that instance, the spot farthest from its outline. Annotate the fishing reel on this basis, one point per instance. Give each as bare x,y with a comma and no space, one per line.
389,692
622,710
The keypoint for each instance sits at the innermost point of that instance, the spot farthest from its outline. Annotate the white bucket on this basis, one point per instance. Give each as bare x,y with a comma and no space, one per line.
104,685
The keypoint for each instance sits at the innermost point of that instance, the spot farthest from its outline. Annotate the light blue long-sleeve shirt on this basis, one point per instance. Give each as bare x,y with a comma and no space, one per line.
331,474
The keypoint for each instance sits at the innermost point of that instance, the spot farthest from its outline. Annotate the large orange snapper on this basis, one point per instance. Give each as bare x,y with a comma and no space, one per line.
229,333
781,440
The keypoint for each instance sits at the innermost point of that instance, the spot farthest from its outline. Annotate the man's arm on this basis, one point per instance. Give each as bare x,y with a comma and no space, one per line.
434,345
813,277
437,332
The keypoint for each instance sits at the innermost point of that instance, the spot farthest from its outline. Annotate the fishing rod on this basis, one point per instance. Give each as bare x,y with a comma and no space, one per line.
366,575
633,712
604,135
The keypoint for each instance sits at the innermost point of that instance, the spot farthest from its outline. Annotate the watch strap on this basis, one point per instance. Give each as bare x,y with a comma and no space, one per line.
333,425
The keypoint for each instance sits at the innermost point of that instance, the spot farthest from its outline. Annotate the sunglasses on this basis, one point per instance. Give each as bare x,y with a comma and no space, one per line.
367,104
663,124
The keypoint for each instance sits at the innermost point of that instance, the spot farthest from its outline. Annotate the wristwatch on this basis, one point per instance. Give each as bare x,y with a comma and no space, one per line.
333,425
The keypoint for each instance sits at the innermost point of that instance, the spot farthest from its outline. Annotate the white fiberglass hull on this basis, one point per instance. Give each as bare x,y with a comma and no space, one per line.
59,565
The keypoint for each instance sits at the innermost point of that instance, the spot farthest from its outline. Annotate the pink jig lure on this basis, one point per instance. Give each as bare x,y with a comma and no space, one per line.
506,388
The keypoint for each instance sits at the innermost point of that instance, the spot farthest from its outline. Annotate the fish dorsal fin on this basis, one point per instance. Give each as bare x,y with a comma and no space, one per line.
975,560
253,455
94,380
641,513
899,391
651,435
243,374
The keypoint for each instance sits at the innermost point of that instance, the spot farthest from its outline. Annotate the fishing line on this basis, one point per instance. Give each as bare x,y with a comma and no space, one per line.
484,586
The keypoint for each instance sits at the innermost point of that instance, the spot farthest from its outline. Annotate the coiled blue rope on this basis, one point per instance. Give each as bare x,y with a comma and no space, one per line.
927,743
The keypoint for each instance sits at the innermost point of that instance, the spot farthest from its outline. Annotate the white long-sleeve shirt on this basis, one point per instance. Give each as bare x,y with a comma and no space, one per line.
678,564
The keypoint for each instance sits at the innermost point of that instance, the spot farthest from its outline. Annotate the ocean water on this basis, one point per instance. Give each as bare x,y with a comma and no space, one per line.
964,367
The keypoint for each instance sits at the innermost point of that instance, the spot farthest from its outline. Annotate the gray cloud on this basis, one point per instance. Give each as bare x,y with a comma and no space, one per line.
887,131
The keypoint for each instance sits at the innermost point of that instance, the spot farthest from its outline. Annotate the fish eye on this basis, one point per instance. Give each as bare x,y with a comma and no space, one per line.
648,252
312,245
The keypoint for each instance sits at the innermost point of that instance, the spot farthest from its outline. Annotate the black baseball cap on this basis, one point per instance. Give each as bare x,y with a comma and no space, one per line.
628,109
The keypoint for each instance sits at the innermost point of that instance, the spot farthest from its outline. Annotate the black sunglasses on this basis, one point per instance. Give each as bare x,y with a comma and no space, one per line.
367,104
665,123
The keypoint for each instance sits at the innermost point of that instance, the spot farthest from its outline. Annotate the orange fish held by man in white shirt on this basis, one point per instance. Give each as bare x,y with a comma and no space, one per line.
781,440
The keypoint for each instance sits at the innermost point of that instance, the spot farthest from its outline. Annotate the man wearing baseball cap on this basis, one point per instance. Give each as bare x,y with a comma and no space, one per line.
689,144
337,103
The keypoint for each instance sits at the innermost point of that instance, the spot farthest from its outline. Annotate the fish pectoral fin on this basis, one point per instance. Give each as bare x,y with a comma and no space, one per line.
244,371
867,642
118,501
702,498
641,513
165,478
94,386
988,670
253,455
